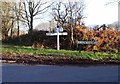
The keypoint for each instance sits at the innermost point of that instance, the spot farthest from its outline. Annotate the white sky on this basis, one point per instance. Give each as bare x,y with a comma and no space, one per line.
96,12
99,13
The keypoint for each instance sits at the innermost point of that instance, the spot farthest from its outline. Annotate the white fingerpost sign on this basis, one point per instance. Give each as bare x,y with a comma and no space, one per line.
58,32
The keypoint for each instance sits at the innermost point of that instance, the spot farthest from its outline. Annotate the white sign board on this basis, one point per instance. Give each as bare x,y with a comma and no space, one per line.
57,34
53,34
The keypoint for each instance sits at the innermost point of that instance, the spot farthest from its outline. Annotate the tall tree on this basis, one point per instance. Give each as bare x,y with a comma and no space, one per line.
18,9
7,17
67,14
32,9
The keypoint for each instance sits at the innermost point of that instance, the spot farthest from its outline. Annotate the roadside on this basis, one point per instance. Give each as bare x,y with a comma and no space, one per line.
29,55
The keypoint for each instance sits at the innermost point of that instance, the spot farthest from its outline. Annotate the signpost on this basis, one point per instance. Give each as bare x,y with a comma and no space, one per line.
87,42
57,33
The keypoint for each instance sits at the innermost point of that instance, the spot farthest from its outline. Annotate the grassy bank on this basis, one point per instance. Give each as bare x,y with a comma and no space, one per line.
62,53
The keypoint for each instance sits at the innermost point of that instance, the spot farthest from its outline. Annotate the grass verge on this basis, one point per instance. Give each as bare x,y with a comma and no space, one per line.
61,53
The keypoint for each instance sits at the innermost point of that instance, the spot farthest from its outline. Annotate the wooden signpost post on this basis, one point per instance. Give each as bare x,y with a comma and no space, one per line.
57,33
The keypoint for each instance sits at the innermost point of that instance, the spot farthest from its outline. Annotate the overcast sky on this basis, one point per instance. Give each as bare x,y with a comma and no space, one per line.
99,13
96,12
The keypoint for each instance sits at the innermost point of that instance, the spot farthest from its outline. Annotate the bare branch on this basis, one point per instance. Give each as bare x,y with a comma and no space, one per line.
41,11
26,14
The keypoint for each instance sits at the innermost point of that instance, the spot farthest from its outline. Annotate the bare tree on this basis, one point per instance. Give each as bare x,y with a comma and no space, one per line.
32,9
67,14
60,15
7,18
17,10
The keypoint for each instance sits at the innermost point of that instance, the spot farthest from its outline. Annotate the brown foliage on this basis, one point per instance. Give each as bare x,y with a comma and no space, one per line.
107,39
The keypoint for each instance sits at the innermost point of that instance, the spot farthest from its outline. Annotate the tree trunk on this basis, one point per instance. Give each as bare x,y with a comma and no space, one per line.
18,31
31,26
71,37
31,30
71,29
11,34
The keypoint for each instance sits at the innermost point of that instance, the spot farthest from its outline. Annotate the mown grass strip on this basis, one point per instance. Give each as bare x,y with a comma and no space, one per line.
61,53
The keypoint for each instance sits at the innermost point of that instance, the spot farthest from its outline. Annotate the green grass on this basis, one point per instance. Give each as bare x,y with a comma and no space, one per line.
60,53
